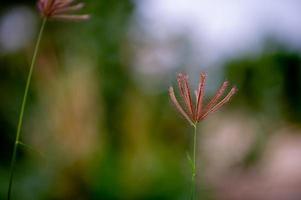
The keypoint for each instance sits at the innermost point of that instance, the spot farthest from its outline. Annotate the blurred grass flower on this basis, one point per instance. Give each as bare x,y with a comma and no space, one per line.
49,9
61,9
194,112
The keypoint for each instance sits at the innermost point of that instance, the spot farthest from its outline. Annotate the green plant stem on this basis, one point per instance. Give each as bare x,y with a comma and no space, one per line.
20,122
193,176
31,149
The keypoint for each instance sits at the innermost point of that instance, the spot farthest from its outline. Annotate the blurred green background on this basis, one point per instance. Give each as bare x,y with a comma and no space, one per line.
99,117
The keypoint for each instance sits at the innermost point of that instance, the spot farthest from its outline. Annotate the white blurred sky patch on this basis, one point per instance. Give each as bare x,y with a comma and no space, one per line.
17,29
220,30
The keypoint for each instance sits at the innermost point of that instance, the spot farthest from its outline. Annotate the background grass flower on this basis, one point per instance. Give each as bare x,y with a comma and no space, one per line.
61,9
49,9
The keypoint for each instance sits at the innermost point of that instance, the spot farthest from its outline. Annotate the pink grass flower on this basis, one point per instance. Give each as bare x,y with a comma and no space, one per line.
195,111
61,10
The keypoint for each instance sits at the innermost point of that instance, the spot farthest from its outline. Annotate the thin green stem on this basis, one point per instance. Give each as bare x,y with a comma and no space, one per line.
20,122
193,176
31,149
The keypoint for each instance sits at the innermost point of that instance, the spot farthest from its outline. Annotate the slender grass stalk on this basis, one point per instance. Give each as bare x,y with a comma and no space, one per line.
194,171
20,122
194,111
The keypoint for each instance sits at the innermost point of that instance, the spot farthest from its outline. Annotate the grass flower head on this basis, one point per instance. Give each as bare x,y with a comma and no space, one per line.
61,10
195,111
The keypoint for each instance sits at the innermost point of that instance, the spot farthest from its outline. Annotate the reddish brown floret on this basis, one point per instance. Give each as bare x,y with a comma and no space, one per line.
61,9
194,112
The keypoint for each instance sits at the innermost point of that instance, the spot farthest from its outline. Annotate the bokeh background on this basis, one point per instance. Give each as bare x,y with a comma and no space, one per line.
99,119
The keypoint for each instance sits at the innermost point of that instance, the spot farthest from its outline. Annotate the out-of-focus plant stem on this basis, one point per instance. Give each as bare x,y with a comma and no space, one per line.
20,122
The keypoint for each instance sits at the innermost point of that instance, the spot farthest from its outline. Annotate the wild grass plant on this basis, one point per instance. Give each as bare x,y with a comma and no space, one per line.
194,112
49,10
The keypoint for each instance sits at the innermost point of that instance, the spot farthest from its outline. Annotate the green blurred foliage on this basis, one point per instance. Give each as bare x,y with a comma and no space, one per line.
270,83
125,167
142,141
